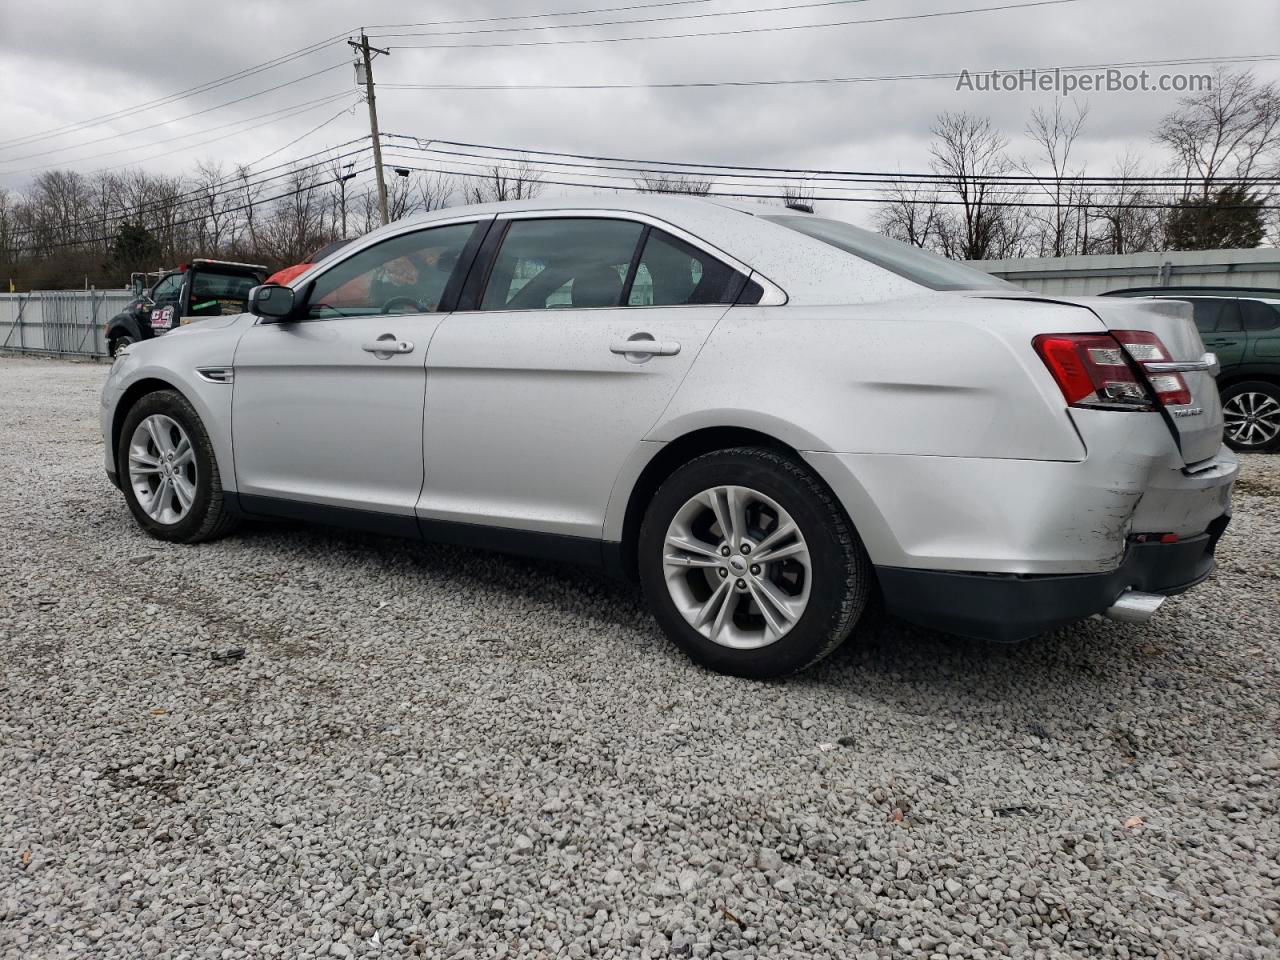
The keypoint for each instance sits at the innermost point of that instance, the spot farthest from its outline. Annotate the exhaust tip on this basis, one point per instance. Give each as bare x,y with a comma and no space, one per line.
1134,607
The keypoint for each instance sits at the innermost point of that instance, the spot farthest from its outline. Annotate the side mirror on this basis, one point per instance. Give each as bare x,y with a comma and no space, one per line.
272,302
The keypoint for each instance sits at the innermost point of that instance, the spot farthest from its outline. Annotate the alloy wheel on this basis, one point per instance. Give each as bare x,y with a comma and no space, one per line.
1252,419
737,567
162,469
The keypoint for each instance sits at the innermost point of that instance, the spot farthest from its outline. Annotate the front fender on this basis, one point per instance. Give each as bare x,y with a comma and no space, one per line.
174,362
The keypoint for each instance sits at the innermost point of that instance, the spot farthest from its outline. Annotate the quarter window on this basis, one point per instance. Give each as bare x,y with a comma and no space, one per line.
578,262
406,274
1260,316
672,273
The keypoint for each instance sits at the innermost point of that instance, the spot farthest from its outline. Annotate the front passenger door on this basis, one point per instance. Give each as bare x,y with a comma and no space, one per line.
327,409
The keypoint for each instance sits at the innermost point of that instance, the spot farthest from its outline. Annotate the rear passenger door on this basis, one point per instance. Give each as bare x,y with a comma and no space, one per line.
572,336
1262,327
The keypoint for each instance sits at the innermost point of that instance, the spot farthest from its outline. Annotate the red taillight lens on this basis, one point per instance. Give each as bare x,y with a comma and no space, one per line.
1092,371
1143,346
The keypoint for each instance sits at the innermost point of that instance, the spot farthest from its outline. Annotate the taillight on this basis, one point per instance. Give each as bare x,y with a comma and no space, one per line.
1144,346
1092,371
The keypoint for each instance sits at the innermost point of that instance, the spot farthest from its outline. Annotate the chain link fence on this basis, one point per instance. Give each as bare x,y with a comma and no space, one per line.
63,323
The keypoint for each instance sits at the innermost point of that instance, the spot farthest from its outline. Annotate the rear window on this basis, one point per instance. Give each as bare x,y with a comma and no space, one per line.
919,266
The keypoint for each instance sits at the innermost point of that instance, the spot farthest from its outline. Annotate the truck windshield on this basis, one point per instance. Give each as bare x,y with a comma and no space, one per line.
919,266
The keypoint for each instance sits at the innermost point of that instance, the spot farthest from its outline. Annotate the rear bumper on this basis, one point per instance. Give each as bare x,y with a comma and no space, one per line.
1009,607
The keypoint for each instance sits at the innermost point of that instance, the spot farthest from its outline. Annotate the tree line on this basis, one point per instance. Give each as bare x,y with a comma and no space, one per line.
982,199
1217,190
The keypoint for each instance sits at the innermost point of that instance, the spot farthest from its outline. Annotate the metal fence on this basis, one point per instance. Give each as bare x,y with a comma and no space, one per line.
65,323
1097,273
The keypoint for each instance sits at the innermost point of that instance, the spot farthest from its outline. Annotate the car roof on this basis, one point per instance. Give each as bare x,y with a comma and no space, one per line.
806,269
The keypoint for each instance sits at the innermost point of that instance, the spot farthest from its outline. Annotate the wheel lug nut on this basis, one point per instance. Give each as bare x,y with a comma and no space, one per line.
741,584
746,548
724,551
755,569
724,573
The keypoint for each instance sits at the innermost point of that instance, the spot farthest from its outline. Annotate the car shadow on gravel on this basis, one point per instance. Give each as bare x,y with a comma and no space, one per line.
918,669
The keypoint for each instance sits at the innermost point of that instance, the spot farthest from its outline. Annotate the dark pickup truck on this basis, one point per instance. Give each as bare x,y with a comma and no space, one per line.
202,288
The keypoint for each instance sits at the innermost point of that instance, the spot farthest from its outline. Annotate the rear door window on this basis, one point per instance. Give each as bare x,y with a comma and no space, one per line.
577,262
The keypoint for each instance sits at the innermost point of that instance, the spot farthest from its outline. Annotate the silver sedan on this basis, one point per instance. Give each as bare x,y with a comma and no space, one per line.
767,418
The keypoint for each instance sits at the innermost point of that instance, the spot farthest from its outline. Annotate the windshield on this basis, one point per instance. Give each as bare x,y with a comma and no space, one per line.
919,266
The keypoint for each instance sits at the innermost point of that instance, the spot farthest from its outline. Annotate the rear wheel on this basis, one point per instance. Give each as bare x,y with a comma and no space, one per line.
1251,412
749,564
169,471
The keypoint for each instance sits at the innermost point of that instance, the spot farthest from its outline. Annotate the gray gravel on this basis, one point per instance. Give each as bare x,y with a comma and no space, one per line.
443,753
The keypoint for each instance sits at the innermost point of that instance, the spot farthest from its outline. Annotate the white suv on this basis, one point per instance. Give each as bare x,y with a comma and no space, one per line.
765,416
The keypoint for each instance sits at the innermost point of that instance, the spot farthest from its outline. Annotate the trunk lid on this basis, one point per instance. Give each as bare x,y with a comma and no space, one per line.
1197,426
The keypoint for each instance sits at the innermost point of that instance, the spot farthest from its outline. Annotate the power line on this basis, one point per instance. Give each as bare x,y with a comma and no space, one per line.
842,199
712,168
738,31
188,116
886,184
134,147
169,98
785,8
950,75
535,16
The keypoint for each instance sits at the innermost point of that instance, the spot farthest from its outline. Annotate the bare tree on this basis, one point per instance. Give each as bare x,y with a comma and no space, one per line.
1231,131
911,215
1127,222
1064,225
799,196
674,183
519,182
967,151
435,191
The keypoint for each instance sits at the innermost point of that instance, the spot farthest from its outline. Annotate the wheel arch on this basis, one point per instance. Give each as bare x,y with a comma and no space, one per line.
1235,378
132,394
121,324
669,457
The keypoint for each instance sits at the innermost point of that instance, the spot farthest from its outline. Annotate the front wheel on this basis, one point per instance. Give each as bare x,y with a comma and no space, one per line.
169,471
1251,412
117,343
750,565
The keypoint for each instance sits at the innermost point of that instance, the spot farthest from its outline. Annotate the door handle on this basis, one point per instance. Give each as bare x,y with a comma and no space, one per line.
641,346
387,345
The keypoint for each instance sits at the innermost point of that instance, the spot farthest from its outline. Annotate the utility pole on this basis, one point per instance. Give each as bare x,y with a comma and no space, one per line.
367,52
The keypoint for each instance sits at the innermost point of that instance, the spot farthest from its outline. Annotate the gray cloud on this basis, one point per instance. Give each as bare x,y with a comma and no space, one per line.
71,60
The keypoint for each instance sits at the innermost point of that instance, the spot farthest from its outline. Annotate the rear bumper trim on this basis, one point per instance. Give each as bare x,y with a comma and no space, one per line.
1011,607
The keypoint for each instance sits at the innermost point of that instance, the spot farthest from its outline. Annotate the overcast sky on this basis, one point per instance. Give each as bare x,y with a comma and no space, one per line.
66,62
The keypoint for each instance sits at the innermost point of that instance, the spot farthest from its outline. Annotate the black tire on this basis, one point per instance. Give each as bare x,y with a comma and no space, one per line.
116,342
208,517
842,575
1268,390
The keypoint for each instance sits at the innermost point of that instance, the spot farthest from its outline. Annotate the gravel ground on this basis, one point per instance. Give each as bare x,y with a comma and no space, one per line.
438,752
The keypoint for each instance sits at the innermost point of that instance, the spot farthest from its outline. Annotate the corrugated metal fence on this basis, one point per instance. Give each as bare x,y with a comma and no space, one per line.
1094,274
66,323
